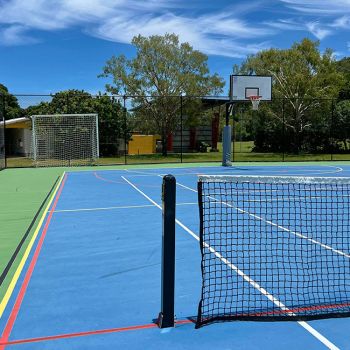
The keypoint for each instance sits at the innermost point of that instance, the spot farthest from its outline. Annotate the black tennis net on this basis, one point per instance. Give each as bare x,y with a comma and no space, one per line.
274,248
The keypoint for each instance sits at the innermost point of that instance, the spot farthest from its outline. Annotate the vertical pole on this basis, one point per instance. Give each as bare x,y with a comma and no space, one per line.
331,129
232,142
34,141
166,315
283,130
125,131
4,126
227,139
181,126
97,139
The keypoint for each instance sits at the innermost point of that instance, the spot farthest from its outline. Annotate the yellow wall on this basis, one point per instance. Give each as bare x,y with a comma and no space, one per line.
143,144
20,125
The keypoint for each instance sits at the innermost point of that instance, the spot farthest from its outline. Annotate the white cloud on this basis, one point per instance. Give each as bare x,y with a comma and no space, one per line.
286,24
15,35
319,7
342,22
316,29
119,20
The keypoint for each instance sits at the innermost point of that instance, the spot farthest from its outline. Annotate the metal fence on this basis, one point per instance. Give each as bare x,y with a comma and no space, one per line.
140,129
2,133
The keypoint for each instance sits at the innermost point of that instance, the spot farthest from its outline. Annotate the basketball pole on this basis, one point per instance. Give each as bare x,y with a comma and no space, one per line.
227,138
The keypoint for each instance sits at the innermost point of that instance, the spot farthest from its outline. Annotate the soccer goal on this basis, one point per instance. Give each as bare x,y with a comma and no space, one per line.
65,139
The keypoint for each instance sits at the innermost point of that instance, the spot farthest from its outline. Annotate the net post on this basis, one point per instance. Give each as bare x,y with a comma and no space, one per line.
166,316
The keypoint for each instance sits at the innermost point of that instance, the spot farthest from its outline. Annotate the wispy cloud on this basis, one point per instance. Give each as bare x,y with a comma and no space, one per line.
342,22
317,30
15,35
220,33
319,7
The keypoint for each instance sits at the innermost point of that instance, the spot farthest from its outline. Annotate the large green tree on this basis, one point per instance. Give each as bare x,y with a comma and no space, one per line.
343,66
112,118
12,108
162,70
302,76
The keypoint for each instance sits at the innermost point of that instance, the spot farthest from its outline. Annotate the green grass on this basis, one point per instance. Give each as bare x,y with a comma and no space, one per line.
243,153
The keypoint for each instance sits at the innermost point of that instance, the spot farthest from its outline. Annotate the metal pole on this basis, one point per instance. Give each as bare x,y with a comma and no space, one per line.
166,316
331,129
181,126
125,131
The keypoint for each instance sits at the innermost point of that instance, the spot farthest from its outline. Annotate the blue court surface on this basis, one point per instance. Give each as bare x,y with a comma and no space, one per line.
92,279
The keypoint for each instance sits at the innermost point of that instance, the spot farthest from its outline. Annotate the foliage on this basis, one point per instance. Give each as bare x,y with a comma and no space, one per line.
163,68
343,66
305,79
112,124
12,108
341,123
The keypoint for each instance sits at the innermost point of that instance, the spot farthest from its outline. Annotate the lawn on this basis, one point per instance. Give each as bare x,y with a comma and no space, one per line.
243,153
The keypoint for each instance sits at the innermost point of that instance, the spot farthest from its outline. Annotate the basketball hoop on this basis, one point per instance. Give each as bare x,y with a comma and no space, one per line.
255,102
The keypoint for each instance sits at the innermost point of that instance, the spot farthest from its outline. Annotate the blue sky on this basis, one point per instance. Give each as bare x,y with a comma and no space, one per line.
52,45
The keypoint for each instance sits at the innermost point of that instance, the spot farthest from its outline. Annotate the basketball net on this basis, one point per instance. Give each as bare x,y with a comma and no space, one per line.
255,102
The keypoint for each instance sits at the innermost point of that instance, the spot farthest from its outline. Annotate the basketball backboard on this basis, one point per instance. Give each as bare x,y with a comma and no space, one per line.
242,87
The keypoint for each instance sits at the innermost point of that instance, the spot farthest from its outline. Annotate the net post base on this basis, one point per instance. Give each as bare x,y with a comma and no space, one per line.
165,322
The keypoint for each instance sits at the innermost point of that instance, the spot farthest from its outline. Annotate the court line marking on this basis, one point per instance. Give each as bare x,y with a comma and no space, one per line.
16,307
298,234
19,269
114,208
87,333
262,290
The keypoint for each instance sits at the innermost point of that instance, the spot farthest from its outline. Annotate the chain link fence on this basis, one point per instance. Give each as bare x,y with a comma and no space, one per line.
148,129
2,133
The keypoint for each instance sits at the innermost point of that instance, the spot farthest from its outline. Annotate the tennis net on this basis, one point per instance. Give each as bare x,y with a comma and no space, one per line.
274,248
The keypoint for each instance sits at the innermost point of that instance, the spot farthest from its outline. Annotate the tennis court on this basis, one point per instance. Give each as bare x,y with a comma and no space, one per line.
89,274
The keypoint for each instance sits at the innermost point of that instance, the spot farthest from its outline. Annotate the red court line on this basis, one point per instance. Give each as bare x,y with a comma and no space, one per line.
87,333
15,310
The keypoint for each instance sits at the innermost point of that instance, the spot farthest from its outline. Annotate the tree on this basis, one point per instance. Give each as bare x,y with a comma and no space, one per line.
112,125
162,70
343,66
341,124
12,107
303,77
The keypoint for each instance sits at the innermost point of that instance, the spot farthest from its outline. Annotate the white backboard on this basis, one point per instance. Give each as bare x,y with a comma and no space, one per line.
244,86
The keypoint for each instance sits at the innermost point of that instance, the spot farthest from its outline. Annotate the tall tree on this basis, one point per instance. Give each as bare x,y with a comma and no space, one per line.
12,107
162,70
303,76
112,125
343,66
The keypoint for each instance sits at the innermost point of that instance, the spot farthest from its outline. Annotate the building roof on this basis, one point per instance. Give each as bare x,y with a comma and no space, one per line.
17,123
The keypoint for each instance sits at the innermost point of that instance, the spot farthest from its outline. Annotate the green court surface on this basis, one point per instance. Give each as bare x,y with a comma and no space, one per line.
21,193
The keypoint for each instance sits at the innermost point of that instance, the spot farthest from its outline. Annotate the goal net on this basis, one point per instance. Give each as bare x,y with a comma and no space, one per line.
65,139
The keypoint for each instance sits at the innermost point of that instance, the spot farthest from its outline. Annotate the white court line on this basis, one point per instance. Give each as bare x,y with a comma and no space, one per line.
262,290
114,208
274,224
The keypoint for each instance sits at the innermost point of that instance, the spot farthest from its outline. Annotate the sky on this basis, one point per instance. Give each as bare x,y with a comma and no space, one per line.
52,45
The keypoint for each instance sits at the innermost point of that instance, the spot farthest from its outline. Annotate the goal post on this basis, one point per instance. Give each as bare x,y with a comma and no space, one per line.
65,139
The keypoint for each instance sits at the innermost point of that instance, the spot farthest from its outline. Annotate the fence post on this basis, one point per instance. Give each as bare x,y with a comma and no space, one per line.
331,129
181,126
283,129
125,131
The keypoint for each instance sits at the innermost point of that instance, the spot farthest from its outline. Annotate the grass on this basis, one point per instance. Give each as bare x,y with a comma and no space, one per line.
243,153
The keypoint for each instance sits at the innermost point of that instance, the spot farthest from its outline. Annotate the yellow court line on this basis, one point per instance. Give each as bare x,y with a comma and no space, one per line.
19,269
